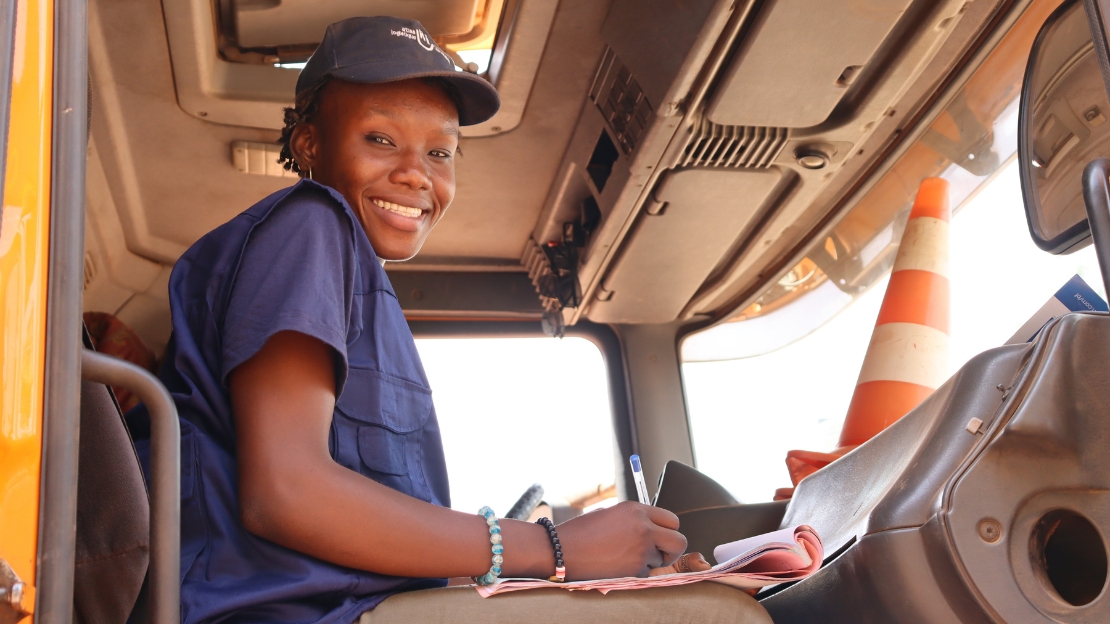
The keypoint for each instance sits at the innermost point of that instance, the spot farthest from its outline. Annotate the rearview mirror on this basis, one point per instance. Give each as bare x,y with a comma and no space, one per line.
1062,125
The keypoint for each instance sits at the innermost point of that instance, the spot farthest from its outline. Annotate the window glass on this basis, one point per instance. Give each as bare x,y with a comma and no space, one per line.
518,411
745,414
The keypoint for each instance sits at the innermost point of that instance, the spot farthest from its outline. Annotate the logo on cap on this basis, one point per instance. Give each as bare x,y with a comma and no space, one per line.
422,38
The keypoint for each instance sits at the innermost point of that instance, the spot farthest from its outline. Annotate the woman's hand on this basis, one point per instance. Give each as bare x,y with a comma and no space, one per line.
690,562
627,539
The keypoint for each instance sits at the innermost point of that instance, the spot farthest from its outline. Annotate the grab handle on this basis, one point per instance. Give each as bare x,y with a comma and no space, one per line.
165,477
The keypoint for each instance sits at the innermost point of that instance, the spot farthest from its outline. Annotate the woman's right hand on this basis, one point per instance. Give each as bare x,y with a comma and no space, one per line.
627,539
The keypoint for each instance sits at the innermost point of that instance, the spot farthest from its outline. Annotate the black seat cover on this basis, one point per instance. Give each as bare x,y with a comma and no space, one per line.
113,513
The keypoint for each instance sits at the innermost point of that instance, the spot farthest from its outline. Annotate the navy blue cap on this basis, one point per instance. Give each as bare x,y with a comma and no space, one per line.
386,49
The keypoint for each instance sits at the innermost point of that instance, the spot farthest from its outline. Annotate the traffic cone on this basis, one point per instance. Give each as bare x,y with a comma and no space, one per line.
907,358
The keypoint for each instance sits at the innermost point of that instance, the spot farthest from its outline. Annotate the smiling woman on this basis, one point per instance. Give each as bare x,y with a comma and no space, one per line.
318,484
389,149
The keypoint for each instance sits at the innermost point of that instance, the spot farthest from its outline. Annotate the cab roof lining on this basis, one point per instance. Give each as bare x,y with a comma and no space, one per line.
167,176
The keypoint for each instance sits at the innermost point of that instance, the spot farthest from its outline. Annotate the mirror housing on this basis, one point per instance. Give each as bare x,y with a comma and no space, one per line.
1062,124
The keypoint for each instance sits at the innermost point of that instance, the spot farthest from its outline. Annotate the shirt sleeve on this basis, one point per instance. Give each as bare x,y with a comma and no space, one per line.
297,273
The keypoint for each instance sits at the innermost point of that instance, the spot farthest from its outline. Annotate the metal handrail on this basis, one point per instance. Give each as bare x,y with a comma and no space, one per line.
165,477
61,427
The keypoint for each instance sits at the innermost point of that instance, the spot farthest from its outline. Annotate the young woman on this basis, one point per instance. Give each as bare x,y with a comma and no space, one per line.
313,480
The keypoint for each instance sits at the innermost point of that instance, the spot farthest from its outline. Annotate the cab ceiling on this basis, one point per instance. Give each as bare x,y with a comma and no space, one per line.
780,75
172,177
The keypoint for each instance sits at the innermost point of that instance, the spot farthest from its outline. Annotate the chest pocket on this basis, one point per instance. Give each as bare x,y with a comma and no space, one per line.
378,430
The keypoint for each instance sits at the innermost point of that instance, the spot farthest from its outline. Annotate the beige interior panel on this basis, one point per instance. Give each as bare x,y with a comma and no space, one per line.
118,281
516,62
663,43
211,88
148,313
288,22
671,253
502,181
113,274
170,174
172,178
787,74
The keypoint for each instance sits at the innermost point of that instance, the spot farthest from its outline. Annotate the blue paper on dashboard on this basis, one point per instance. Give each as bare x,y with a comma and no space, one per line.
1075,296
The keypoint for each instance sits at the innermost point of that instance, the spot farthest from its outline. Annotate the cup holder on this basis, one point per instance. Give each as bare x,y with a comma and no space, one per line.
1069,556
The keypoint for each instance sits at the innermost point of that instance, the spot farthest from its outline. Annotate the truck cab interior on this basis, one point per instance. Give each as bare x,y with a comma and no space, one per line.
653,170
675,181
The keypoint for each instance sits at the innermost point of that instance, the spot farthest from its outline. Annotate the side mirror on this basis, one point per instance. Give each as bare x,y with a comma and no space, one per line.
1062,126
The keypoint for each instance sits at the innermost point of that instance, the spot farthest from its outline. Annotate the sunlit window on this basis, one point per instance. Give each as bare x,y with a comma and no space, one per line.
518,411
747,413
478,57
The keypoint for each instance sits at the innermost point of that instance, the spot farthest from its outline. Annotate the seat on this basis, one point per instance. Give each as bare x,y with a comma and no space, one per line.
113,513
988,502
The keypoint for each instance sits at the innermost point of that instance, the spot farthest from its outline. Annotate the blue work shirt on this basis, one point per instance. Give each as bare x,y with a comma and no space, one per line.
298,260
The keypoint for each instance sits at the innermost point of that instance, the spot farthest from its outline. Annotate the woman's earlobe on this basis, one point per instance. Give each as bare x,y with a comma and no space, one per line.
302,144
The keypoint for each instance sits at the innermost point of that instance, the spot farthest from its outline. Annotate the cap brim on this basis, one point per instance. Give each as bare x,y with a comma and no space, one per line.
478,99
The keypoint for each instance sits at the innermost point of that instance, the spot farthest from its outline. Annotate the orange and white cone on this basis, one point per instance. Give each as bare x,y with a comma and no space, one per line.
907,358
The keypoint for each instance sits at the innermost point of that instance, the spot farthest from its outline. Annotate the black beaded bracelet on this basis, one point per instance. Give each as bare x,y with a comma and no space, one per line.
560,569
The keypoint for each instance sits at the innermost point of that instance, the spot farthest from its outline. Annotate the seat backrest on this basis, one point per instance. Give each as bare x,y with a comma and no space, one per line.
113,513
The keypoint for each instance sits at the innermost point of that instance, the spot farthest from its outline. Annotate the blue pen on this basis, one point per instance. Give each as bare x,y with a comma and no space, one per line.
638,477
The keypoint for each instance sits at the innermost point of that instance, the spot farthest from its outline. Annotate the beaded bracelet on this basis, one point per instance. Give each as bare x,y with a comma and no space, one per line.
489,578
560,569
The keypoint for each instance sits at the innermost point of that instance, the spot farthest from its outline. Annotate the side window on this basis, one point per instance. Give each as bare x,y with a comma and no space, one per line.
796,397
518,411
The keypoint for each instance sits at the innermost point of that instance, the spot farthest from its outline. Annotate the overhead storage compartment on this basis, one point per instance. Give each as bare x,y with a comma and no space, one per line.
768,109
654,51
777,79
662,42
219,80
696,217
274,23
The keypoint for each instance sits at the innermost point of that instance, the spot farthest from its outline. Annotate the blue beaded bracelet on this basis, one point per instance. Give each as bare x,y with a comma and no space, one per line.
489,578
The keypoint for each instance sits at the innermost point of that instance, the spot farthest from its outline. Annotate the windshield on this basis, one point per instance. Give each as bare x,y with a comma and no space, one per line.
796,397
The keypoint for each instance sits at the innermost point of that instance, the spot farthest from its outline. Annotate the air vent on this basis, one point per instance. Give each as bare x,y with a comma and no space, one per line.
90,269
621,101
729,147
259,159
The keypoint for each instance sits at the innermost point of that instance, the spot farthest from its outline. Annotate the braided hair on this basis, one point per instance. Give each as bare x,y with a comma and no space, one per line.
307,106
304,110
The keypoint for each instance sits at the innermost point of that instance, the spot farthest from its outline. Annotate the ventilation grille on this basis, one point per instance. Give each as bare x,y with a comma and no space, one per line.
621,101
90,269
259,159
535,262
714,145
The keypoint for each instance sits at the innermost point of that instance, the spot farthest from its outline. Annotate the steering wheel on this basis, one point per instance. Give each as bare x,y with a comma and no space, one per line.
527,503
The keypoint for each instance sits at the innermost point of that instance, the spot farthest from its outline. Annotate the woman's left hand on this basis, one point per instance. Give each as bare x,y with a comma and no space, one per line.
690,562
